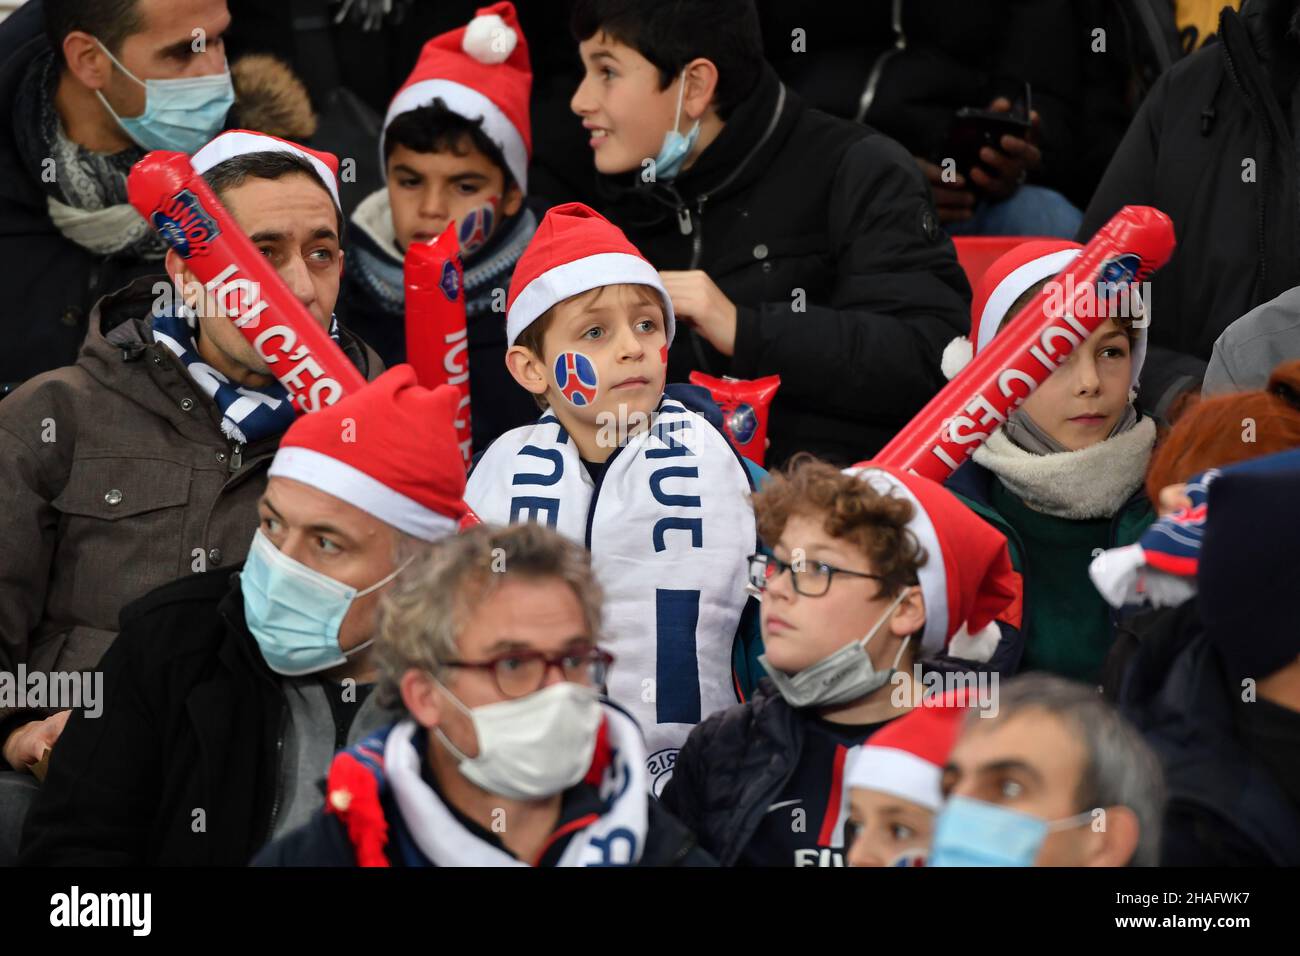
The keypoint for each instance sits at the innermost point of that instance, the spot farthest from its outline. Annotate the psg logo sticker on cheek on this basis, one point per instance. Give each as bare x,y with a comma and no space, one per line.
476,227
575,376
663,354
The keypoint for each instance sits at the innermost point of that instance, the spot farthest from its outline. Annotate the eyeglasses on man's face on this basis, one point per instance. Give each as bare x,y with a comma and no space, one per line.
520,673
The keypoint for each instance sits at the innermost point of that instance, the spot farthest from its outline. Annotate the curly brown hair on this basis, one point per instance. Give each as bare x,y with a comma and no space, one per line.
850,509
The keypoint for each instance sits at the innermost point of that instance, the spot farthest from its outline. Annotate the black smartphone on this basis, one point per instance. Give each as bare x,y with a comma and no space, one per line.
973,129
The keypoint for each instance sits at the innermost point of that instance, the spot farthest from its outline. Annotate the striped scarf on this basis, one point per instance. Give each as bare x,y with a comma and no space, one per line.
247,414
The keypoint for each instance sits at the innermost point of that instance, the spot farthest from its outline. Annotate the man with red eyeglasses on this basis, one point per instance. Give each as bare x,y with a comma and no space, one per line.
507,754
227,694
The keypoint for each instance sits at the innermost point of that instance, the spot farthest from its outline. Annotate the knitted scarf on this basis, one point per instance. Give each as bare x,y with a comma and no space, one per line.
1093,482
247,414
379,268
85,190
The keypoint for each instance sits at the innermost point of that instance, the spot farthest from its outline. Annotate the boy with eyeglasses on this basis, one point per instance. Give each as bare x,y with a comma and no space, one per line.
870,571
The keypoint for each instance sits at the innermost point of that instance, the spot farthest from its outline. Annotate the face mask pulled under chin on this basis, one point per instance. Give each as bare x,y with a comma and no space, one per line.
531,747
846,675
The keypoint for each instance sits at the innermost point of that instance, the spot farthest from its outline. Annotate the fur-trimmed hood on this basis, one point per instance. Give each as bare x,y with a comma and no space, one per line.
269,98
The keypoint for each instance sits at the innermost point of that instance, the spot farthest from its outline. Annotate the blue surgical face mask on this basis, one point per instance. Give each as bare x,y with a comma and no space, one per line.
676,147
295,612
975,833
181,114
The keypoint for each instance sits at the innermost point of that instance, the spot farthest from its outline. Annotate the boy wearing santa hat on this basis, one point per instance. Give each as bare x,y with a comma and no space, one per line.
1063,478
894,785
455,147
653,489
870,571
227,692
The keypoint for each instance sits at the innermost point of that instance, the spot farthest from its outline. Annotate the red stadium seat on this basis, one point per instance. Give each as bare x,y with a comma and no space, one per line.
977,253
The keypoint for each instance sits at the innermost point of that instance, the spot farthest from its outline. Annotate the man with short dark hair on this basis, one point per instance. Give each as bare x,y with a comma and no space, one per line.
144,461
80,102
230,691
1056,778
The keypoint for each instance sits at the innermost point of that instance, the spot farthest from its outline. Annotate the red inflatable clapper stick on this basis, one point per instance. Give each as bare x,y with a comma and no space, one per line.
436,343
1137,241
239,281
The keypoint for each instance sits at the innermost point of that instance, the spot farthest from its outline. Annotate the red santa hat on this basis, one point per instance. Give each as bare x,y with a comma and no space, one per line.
241,142
1010,276
906,757
480,71
574,250
390,449
967,579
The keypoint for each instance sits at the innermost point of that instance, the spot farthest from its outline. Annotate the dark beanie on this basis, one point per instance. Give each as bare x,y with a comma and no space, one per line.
1248,581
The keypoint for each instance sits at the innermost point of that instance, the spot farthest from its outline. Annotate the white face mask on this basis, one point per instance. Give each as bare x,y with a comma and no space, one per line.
841,677
532,747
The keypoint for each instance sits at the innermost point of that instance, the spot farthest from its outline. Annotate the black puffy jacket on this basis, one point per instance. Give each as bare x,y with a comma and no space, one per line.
823,234
1212,146
1225,808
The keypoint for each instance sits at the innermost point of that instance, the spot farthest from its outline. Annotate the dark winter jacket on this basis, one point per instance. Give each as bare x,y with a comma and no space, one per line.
1213,147
327,841
905,67
823,234
731,768
51,283
193,719
1224,808
115,478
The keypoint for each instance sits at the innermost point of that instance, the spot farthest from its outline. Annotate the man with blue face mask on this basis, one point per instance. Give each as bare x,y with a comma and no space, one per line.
229,691
80,103
1056,778
506,754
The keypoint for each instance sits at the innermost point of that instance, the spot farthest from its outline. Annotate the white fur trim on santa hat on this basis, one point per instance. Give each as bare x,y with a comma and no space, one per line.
488,39
471,104
372,496
1012,287
978,646
241,143
933,575
956,356
581,275
898,773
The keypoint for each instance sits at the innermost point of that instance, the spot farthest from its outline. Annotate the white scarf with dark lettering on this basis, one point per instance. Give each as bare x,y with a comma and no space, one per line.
669,531
616,838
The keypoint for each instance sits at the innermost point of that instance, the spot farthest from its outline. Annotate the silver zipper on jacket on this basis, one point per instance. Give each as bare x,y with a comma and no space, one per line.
236,456
877,68
279,774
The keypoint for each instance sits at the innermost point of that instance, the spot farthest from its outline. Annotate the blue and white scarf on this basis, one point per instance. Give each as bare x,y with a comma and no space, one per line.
247,414
380,268
670,531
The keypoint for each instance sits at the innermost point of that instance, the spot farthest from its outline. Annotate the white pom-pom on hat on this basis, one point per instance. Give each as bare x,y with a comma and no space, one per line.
488,39
956,356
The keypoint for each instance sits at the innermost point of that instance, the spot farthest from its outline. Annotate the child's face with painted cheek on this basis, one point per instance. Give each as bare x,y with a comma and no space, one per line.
615,335
429,190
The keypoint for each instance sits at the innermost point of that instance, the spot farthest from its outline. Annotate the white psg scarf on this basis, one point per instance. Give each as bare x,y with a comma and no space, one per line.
669,531
616,838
